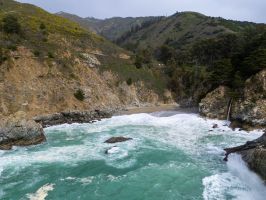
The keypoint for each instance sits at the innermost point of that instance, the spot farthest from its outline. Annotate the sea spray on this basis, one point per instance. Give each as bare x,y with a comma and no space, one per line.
42,192
171,156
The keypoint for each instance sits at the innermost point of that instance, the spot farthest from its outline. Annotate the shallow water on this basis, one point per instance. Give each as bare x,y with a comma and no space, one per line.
172,156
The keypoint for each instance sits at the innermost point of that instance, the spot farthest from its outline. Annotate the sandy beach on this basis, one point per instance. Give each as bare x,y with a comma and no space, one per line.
151,109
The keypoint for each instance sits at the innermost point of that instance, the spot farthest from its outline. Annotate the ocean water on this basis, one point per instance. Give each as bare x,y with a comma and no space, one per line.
172,156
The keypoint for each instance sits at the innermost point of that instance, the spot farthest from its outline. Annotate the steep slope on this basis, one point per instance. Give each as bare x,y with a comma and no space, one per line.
50,64
181,30
112,28
199,52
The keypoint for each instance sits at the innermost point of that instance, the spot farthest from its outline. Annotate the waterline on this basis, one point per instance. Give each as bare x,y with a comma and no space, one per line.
171,156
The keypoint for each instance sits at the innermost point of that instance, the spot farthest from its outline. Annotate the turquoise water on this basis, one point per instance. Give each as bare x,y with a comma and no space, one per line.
171,156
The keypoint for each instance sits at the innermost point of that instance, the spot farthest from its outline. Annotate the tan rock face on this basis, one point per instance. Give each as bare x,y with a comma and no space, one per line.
43,87
251,109
20,131
215,104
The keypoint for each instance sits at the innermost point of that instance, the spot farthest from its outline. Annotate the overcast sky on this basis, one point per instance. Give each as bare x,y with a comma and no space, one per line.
244,10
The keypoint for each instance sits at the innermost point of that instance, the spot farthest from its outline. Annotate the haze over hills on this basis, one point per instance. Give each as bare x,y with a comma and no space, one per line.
179,29
112,28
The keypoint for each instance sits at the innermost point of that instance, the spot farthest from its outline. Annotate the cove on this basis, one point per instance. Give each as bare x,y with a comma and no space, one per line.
172,156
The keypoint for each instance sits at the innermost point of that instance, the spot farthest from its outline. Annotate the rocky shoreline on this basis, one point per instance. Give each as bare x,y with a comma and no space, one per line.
247,113
18,130
71,117
253,153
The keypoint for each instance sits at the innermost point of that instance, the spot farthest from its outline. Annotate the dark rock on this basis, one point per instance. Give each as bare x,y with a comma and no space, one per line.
71,117
253,153
235,124
117,139
16,130
215,126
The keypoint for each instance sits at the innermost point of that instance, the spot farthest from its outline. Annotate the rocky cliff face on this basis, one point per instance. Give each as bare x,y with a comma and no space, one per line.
41,87
17,130
215,104
253,153
251,109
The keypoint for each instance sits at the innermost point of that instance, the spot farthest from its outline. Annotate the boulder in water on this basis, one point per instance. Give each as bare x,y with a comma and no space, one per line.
17,130
117,139
215,126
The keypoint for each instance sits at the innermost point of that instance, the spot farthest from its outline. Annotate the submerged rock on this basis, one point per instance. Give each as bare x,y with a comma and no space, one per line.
112,150
253,153
215,126
16,130
117,139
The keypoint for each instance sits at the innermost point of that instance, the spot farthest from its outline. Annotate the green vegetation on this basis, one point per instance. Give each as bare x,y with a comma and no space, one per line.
59,42
129,81
153,78
226,60
112,28
36,53
79,95
199,52
3,57
42,26
11,24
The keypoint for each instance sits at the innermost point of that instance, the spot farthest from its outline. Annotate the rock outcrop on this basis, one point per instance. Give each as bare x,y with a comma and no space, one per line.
249,110
215,104
72,117
117,139
252,108
17,130
253,153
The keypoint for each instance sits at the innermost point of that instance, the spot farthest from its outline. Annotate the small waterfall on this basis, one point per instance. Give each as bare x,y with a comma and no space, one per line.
229,109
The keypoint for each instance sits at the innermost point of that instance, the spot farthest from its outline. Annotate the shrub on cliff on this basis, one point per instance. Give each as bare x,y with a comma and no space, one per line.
11,24
2,56
129,81
79,95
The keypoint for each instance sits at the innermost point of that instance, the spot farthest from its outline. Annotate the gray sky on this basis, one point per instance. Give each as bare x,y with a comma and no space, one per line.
244,10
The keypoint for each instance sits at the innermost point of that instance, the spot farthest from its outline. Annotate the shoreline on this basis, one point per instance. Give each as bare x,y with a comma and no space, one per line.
152,109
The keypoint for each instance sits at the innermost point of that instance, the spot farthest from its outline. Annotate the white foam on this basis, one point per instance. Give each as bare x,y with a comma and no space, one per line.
84,181
215,186
42,192
257,189
239,182
186,132
113,150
